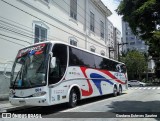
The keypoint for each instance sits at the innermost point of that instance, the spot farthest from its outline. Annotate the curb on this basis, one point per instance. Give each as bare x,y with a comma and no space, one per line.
13,108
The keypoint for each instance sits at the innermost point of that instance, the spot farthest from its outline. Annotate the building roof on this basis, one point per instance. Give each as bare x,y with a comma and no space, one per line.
102,7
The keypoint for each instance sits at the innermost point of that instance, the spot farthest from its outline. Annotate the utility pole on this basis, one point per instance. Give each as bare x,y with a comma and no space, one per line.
110,49
118,48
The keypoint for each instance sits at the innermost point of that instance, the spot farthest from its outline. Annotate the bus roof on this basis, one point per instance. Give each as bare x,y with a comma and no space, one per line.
60,42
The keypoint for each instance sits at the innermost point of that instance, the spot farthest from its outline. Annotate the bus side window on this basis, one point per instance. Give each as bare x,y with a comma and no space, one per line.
55,74
118,68
123,68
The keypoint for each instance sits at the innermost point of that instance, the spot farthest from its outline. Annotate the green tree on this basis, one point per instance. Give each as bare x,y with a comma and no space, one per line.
143,17
136,64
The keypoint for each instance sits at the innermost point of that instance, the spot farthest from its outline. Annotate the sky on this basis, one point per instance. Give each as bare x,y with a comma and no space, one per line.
114,18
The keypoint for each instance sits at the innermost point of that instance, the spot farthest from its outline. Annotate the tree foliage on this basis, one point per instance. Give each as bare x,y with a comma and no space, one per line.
136,64
143,17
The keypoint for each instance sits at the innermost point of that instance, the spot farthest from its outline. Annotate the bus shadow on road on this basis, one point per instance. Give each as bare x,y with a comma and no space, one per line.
95,99
46,110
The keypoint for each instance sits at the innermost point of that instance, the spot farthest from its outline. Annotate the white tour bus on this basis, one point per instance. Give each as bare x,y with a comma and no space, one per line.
50,73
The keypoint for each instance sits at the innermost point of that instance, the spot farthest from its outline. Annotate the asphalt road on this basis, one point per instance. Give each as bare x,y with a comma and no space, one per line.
137,101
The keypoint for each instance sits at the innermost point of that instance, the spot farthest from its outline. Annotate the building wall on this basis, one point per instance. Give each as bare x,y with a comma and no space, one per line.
55,17
117,41
18,19
111,37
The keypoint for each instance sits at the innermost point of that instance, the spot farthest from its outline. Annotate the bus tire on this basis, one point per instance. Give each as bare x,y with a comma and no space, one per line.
120,90
115,91
73,97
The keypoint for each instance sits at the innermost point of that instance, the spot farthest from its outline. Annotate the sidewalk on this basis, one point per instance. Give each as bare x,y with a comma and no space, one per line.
5,105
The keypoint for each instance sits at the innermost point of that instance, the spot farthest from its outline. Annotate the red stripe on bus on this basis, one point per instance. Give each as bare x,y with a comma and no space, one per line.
86,92
112,76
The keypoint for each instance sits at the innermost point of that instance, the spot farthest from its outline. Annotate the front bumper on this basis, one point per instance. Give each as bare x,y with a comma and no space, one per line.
34,101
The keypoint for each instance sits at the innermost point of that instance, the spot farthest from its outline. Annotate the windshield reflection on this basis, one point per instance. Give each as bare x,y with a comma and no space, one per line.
30,68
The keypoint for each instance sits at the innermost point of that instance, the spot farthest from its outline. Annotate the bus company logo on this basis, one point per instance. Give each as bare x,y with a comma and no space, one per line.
118,74
38,89
74,73
58,91
74,69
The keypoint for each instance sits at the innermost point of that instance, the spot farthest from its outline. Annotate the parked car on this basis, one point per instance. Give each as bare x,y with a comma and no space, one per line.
136,83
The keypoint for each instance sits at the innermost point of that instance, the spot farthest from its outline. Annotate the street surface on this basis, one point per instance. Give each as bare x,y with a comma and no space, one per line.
135,99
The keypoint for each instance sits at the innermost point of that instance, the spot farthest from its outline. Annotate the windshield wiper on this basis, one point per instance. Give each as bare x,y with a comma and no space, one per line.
15,80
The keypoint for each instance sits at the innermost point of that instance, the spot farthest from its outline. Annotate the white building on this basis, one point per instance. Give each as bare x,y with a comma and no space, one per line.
82,23
110,38
117,42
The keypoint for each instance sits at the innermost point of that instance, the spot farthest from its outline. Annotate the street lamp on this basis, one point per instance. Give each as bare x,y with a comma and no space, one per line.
122,46
110,49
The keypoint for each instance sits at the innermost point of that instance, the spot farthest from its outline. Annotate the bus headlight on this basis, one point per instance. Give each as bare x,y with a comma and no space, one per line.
38,94
11,93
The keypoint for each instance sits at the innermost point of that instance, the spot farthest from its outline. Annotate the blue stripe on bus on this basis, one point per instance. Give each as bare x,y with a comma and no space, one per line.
97,81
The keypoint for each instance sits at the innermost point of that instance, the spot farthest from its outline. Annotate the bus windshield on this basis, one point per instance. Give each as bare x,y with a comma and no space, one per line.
30,67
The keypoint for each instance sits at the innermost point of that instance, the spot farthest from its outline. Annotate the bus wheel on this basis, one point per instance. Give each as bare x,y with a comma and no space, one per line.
73,99
115,91
120,90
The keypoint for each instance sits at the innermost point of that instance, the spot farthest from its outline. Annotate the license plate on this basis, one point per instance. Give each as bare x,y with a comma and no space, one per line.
22,102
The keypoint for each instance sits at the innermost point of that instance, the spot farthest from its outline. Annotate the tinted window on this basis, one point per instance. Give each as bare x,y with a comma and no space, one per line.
123,68
99,62
81,58
55,74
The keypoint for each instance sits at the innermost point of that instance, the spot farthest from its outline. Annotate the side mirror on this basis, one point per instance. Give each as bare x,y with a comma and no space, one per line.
7,69
53,62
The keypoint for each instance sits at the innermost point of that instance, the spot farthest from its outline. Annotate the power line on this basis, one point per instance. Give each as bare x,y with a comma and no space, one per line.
47,22
15,31
30,32
15,38
11,25
12,41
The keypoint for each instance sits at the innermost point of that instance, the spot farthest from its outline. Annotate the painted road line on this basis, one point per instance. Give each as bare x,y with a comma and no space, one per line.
149,88
154,88
158,87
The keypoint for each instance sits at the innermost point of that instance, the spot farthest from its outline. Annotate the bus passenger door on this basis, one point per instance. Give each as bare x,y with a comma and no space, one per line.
57,84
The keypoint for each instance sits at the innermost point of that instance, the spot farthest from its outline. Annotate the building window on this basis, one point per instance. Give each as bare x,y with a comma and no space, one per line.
93,49
132,43
126,38
132,38
91,21
73,42
102,53
40,34
73,9
102,29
